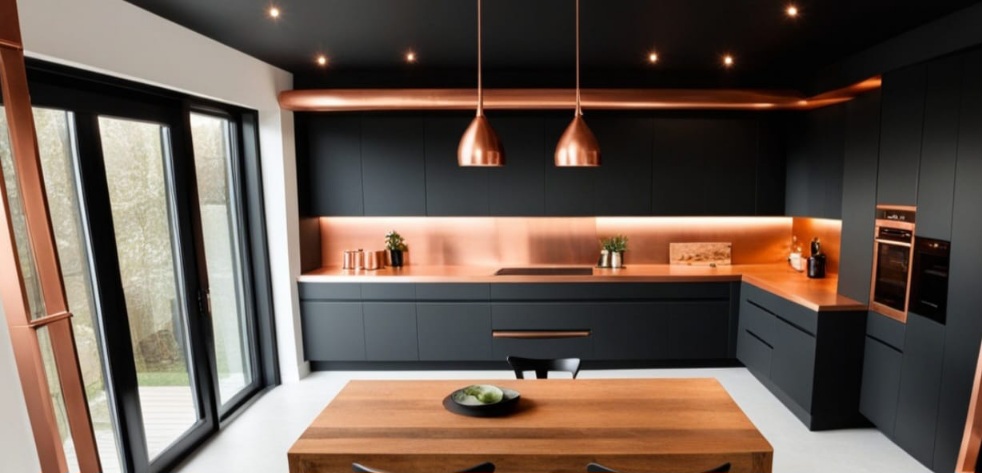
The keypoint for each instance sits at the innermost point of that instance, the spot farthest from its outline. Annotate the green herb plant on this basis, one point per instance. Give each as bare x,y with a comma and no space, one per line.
394,241
614,244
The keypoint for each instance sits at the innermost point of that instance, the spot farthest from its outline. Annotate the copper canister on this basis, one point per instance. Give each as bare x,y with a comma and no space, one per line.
359,259
348,259
375,260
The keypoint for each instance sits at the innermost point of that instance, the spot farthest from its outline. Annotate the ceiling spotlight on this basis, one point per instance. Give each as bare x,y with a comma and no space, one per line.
728,60
652,57
792,11
274,12
321,60
410,57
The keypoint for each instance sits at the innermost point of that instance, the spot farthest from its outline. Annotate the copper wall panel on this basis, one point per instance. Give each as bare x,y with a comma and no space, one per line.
516,241
829,233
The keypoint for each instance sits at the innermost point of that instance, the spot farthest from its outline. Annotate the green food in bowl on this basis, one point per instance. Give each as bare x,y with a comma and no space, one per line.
484,393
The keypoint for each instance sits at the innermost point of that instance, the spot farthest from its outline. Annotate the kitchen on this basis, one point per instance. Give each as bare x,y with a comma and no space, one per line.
784,168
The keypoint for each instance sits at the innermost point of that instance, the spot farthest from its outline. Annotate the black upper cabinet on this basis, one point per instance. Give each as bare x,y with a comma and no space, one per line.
902,126
517,189
569,191
862,142
393,168
333,174
815,163
623,184
452,190
771,167
939,149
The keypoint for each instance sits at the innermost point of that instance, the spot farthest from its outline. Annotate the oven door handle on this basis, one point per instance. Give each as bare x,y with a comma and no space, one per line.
894,243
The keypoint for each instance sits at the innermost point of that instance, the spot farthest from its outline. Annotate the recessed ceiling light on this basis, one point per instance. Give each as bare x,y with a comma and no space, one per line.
273,12
321,60
410,57
728,60
652,57
792,11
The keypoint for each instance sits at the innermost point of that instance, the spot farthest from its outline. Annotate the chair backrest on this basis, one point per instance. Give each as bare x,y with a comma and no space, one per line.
486,467
598,468
542,367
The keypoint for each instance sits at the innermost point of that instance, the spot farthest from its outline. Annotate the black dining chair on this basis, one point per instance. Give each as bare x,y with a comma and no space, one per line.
598,468
486,467
542,367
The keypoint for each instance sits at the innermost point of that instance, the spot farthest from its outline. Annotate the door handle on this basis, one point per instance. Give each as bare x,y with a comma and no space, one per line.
539,334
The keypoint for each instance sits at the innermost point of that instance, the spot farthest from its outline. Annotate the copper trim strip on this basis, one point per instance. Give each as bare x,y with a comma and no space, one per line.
891,242
49,319
968,454
10,44
27,162
351,100
539,334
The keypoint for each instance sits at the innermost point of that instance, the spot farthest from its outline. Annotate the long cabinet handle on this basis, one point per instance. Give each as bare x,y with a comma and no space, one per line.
894,243
540,334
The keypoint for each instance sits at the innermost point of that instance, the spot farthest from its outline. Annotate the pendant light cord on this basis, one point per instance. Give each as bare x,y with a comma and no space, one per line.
480,88
578,110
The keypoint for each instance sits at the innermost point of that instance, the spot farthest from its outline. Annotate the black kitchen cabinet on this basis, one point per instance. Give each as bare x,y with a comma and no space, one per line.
454,331
860,156
452,190
635,331
623,185
936,178
569,191
920,386
331,329
531,317
881,385
390,331
902,124
771,168
699,330
731,167
810,360
332,181
393,166
517,188
815,163
963,329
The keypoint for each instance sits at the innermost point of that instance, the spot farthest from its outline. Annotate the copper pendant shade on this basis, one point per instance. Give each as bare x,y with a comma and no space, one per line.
578,146
480,145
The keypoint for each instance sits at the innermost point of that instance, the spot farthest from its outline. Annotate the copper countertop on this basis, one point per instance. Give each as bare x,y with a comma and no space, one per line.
780,279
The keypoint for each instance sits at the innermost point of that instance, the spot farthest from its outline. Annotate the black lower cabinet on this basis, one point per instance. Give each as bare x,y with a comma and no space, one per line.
390,331
454,331
881,385
920,388
333,331
810,360
543,329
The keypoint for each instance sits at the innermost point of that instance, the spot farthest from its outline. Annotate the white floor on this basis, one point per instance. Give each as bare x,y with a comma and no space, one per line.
257,441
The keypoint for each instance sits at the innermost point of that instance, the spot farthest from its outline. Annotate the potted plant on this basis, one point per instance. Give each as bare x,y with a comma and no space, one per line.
615,247
396,245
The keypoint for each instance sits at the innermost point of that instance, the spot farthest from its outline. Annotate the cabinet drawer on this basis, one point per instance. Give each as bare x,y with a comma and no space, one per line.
390,331
795,314
454,331
886,330
793,363
755,320
543,315
330,291
754,354
452,292
388,292
580,347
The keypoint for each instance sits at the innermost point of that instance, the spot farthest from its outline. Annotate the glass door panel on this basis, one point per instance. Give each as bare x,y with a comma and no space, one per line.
57,152
136,156
219,228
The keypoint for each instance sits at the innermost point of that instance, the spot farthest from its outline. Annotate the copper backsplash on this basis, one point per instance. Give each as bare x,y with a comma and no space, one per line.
517,241
829,233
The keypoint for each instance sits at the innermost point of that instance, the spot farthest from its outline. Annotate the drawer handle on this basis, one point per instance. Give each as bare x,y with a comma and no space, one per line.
540,334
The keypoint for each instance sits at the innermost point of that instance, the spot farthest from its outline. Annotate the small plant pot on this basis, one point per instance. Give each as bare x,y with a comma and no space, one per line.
617,259
395,258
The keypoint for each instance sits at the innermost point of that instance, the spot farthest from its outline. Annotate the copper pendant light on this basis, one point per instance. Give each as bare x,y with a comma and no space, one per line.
578,146
480,145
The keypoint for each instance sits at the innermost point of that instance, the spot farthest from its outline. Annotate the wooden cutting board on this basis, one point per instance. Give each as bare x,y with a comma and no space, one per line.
700,254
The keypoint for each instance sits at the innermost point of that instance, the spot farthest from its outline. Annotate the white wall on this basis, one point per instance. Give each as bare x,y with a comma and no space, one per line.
17,452
119,39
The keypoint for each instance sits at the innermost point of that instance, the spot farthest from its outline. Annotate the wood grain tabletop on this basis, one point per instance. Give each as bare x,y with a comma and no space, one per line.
560,425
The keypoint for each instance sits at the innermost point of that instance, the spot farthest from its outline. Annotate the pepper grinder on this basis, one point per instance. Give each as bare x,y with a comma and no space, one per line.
816,262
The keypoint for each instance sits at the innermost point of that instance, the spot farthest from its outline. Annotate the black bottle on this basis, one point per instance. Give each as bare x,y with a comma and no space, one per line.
816,262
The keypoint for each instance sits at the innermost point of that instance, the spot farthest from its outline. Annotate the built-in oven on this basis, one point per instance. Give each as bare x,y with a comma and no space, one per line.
929,281
892,257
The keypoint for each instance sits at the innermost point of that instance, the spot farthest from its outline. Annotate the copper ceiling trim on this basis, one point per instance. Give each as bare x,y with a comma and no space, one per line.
363,100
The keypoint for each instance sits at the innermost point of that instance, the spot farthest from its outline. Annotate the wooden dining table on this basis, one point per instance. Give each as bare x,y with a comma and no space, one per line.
559,425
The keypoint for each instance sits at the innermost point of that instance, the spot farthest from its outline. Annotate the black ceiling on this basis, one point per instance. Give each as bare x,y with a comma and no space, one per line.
366,39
